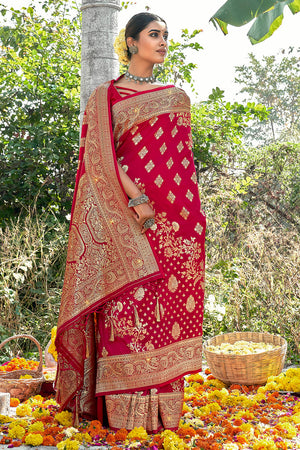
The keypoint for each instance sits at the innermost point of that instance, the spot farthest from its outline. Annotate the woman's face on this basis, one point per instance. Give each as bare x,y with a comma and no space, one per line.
152,43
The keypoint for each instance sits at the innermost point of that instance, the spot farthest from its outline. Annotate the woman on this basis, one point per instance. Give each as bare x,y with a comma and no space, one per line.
130,322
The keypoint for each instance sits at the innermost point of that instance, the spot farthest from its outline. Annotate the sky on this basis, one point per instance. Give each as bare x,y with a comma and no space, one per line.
220,53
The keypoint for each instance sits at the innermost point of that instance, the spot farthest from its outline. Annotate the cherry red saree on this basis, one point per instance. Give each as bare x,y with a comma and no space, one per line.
130,322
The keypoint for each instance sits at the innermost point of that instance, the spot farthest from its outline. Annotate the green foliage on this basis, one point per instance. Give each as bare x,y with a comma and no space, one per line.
39,107
218,127
32,261
268,15
274,82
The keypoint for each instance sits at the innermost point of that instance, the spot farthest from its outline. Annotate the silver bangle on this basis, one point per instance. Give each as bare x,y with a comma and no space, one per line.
138,200
149,223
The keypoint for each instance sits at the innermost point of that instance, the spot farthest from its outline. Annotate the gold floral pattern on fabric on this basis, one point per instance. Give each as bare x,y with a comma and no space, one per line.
177,179
174,131
163,148
143,152
172,283
134,110
170,162
136,139
171,197
136,410
159,133
183,119
199,228
149,368
159,180
149,166
180,147
175,331
153,121
189,195
185,162
190,304
184,213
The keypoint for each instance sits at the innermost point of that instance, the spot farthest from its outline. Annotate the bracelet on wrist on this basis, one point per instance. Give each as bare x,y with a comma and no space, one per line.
138,200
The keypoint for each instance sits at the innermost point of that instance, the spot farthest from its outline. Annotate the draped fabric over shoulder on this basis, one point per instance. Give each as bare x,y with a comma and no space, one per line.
130,323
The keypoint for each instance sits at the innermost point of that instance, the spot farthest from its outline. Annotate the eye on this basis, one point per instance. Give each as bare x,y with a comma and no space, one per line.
154,34
165,37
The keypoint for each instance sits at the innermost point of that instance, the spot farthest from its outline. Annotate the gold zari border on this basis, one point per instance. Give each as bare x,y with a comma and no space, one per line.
146,369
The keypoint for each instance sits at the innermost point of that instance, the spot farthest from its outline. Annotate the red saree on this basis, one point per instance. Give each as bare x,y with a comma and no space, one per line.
130,322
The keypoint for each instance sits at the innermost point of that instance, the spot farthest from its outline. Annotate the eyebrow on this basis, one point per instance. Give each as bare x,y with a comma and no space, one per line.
158,31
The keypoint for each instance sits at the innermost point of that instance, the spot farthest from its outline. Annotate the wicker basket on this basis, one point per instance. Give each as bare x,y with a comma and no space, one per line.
246,369
24,388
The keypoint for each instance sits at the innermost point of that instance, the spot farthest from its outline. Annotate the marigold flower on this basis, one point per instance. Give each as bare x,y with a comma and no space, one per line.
23,410
121,435
138,434
14,402
36,426
64,418
110,439
49,441
40,412
68,444
16,432
34,439
120,47
52,349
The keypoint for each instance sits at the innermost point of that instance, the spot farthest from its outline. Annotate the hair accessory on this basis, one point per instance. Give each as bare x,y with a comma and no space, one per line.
133,49
137,79
149,223
121,49
138,200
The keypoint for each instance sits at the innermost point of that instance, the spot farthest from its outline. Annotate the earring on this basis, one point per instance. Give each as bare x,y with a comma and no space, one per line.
133,49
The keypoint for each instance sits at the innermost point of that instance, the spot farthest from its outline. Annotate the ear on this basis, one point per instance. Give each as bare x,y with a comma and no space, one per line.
130,41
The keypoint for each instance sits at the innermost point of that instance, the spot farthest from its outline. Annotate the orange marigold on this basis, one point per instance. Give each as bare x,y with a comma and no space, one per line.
14,402
16,443
211,377
207,372
94,428
110,439
186,431
121,434
49,441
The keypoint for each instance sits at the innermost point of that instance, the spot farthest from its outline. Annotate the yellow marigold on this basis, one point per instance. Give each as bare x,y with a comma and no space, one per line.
52,348
83,437
264,444
186,408
23,410
218,394
64,418
50,402
68,444
16,432
215,383
37,400
40,412
36,426
230,446
22,422
138,433
25,377
5,419
34,439
120,47
286,429
172,441
195,378
296,418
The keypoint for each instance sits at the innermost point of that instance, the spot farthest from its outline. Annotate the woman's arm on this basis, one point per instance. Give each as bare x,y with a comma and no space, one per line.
142,212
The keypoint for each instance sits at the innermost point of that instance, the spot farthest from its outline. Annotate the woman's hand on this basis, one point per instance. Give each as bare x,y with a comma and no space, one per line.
141,213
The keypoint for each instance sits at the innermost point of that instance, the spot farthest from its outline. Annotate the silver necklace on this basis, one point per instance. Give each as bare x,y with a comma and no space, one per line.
129,76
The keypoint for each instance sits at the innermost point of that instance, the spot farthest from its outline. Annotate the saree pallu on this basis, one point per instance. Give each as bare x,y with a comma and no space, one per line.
130,323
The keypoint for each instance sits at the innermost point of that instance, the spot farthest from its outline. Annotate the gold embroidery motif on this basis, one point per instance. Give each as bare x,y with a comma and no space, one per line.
171,197
163,148
149,166
139,294
190,304
148,368
198,228
190,195
133,110
158,181
170,408
153,121
174,131
134,129
172,115
177,179
136,139
184,213
175,331
159,133
142,153
172,284
180,147
170,163
184,119
185,162
194,178
175,226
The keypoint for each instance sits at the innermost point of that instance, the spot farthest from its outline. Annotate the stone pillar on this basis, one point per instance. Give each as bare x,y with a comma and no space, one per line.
99,62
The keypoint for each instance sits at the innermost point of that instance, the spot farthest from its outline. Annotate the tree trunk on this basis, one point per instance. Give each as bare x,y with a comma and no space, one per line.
99,62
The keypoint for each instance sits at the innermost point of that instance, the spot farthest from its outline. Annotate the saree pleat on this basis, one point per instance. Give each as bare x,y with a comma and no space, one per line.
131,326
